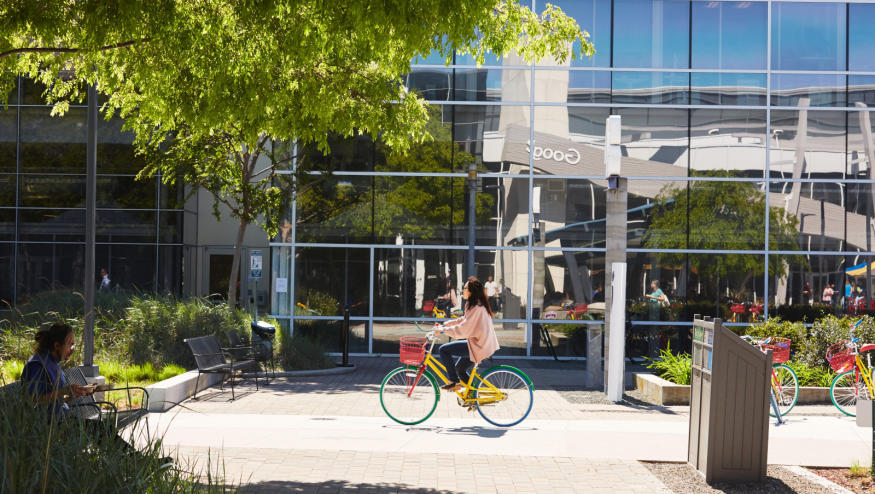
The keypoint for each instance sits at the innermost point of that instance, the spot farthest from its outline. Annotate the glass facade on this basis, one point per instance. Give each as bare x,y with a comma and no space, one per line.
746,139
42,205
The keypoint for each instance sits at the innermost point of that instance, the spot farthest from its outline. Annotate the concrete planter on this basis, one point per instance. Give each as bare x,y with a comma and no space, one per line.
663,392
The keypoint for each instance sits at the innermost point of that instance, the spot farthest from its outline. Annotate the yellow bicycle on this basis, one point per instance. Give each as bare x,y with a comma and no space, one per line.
502,394
855,376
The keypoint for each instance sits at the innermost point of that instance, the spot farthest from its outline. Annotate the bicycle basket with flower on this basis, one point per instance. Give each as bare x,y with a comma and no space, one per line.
412,350
840,356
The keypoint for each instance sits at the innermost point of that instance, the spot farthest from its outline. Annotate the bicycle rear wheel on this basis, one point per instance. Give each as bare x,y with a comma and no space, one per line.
511,403
785,386
845,390
407,400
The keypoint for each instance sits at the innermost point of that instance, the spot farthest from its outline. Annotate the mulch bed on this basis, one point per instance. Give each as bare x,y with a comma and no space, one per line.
843,477
682,478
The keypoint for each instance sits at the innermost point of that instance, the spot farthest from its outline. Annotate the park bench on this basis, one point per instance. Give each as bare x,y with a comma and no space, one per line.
213,359
87,407
243,350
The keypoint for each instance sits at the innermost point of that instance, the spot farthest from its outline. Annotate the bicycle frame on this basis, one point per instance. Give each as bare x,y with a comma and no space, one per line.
486,394
861,369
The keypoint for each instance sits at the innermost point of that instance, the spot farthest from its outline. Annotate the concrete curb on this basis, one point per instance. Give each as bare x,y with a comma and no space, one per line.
306,373
817,479
666,392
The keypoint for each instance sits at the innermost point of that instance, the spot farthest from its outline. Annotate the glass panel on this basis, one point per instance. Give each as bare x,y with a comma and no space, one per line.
7,261
418,210
729,35
861,145
170,268
129,267
335,209
326,279
861,36
66,191
495,136
115,149
170,226
705,284
732,141
7,190
42,267
52,144
573,86
502,212
568,338
859,215
432,156
798,290
51,225
409,282
32,93
651,87
431,84
861,90
13,94
7,224
491,85
501,271
171,196
651,34
811,216
8,137
345,154
125,192
711,88
568,141
807,144
566,283
594,17
655,142
646,340
387,336
125,226
808,36
808,90
328,333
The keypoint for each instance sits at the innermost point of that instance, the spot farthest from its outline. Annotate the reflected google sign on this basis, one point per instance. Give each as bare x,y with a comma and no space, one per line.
570,155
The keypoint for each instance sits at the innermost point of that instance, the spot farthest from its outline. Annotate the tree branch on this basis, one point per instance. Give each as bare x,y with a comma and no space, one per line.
59,49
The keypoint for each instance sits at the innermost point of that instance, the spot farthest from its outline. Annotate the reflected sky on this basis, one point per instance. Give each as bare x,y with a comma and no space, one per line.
594,17
729,35
651,34
861,37
808,36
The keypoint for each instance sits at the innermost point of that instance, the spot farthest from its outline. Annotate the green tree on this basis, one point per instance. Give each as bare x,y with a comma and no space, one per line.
209,85
725,216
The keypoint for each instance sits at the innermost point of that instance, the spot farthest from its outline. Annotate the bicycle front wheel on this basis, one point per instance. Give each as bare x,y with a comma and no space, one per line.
845,390
510,402
785,386
406,399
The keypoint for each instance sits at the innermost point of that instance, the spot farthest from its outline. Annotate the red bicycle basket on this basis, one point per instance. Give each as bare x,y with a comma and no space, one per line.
412,350
780,348
841,358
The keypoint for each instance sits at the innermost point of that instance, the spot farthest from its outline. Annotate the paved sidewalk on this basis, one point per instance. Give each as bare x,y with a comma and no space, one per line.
329,434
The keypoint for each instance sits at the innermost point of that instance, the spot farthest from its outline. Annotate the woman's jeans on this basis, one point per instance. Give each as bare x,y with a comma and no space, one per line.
458,348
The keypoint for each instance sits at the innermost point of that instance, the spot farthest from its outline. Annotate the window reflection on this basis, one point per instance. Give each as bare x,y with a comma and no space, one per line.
125,192
418,209
861,36
859,216
42,267
130,267
335,209
115,148
651,34
431,84
729,35
7,190
65,191
807,143
495,136
572,86
650,87
819,212
808,36
8,132
408,282
656,141
126,226
861,90
328,279
491,84
7,265
594,17
52,144
712,88
7,224
861,144
729,140
502,212
808,90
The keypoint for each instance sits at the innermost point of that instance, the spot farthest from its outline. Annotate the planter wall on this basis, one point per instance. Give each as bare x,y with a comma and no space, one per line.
662,392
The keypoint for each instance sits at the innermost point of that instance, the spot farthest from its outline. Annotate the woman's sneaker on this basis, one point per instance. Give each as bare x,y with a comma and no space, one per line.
451,387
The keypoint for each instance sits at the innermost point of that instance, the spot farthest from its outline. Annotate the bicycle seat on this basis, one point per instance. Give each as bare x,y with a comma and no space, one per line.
867,347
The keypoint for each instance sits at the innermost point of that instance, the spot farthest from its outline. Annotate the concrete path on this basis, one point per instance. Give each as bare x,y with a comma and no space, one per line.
329,432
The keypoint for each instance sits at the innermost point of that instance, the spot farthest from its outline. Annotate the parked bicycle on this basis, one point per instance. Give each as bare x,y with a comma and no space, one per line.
409,394
854,379
784,382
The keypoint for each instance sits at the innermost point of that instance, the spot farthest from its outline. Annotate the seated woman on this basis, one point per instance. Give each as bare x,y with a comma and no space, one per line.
44,379
475,327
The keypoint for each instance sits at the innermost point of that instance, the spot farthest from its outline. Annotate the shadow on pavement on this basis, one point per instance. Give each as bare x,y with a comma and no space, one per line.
334,486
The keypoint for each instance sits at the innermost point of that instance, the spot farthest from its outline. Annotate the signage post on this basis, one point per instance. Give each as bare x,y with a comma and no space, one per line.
255,263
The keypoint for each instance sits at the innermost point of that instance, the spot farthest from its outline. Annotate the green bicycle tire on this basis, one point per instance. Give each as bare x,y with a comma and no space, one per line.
844,393
790,393
520,390
408,410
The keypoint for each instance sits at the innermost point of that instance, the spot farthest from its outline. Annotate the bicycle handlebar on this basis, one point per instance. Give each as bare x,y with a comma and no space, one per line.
853,327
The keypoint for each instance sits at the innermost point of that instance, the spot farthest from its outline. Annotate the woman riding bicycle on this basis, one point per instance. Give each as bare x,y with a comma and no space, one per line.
475,327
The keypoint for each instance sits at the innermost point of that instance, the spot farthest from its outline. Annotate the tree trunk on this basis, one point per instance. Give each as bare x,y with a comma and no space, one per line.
235,265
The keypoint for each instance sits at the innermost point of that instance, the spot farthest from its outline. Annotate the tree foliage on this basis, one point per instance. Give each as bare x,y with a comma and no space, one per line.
722,216
209,85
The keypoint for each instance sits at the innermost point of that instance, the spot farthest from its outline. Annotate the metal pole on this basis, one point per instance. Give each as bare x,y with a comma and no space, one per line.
472,214
345,338
90,227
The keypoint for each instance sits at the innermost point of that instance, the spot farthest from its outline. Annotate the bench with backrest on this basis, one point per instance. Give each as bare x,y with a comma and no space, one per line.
88,407
243,350
212,359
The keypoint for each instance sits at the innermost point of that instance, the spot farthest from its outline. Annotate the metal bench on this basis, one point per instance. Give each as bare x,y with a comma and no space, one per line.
87,407
212,359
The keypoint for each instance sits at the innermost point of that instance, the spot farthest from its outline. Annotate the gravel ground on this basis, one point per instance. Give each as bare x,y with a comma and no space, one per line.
576,396
682,478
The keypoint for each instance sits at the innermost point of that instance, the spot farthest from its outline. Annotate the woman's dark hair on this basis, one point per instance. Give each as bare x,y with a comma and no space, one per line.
46,338
477,295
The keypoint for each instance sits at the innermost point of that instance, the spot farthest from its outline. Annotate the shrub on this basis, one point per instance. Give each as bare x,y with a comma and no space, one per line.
828,330
795,331
801,312
675,368
302,352
811,376
76,464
